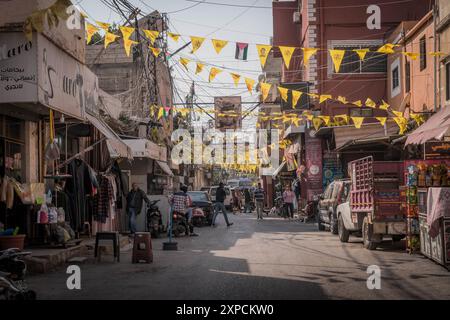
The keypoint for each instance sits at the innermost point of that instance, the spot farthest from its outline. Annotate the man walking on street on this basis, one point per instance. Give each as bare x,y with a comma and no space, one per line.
134,205
259,201
220,199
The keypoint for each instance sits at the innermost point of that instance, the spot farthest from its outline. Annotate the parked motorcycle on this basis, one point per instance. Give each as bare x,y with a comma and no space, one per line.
200,218
154,219
12,276
179,224
311,210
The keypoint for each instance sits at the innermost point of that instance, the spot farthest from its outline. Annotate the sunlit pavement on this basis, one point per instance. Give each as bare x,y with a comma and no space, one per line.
269,259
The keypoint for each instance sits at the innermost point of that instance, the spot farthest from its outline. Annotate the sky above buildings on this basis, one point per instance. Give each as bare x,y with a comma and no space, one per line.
247,21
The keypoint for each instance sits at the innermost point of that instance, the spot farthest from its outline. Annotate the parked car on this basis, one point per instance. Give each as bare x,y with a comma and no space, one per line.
375,200
201,199
348,224
228,199
335,194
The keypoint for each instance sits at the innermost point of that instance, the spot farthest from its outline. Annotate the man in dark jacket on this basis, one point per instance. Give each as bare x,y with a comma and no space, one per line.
134,204
220,199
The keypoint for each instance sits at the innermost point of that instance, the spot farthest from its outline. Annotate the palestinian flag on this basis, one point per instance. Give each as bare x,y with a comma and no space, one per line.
241,51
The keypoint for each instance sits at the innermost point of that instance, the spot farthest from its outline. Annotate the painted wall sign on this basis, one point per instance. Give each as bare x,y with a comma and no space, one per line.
437,150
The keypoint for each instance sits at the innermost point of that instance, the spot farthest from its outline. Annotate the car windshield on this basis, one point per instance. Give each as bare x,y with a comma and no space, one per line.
198,196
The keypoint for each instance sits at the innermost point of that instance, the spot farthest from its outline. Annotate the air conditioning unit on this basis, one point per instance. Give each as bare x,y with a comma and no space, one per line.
296,18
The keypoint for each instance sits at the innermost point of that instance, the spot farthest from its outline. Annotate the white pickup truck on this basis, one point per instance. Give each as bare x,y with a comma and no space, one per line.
346,223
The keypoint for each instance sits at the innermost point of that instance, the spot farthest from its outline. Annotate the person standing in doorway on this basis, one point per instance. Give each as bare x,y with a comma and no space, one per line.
219,205
134,205
288,200
259,197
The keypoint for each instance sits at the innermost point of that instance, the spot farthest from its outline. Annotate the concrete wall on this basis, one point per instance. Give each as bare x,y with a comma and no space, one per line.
444,46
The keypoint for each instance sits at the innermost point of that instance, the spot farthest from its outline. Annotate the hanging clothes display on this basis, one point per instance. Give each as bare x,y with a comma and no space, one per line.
102,201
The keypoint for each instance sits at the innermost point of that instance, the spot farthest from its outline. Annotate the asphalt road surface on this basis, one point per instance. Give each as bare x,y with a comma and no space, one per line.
269,259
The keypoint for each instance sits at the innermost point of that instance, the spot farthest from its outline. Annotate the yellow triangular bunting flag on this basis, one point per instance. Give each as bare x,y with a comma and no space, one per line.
411,55
236,78
287,53
126,32
219,44
342,117
337,56
388,48
265,89
307,54
103,25
160,113
357,121
283,93
152,35
361,53
295,97
213,73
250,83
127,45
382,120
263,53
324,97
156,51
384,105
316,123
109,38
397,113
90,30
199,67
357,103
370,103
185,62
173,36
326,119
402,124
196,43
342,100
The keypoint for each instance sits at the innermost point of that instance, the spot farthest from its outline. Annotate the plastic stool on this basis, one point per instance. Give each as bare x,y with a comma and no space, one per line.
111,236
142,248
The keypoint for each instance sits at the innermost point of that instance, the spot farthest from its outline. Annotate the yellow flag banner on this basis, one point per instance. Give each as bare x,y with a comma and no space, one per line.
287,53
263,53
361,53
357,121
156,51
160,113
250,83
219,44
309,116
337,56
196,43
411,55
341,118
283,93
342,100
152,35
316,123
326,119
213,73
307,54
103,25
90,30
384,105
236,78
370,103
382,120
126,32
324,97
357,103
127,45
295,97
402,124
185,62
175,37
417,118
265,89
109,38
199,68
437,54
397,113
388,48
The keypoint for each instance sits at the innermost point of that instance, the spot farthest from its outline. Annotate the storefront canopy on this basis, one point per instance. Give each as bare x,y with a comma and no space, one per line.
117,147
436,127
346,134
276,172
165,167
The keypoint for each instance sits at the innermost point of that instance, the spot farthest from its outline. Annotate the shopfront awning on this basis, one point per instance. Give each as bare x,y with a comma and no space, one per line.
116,146
436,127
165,167
278,170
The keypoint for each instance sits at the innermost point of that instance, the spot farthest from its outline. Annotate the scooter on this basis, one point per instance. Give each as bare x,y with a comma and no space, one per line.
154,219
12,276
199,217
310,211
179,224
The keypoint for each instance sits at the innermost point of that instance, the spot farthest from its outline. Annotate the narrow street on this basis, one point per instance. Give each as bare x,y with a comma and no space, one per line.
269,259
